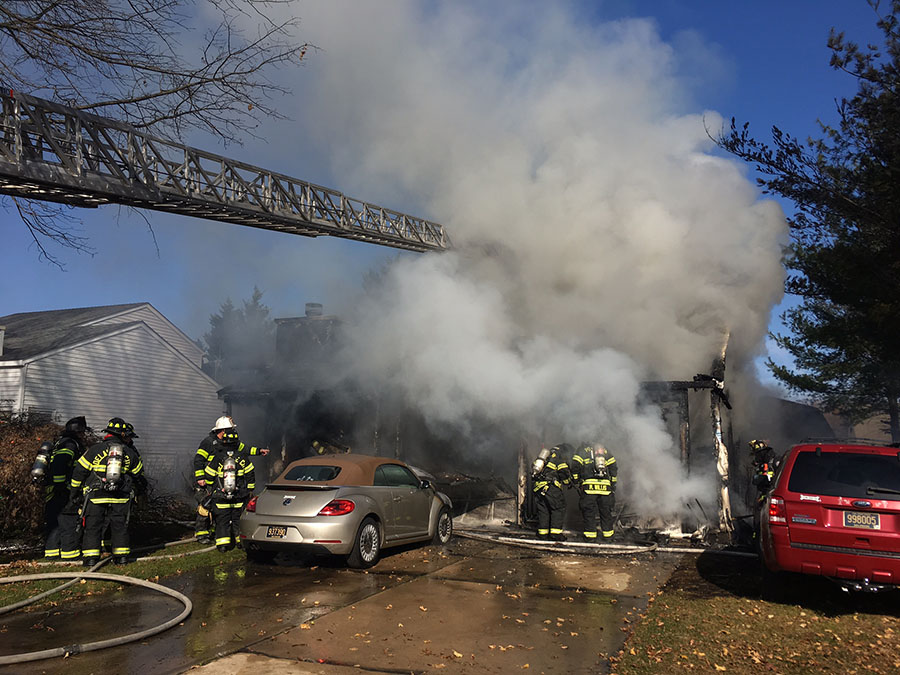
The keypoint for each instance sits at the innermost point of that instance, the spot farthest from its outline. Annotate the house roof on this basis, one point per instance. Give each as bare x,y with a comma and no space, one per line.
29,334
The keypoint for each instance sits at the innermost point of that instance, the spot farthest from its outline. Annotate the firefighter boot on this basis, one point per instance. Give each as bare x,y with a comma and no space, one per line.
89,562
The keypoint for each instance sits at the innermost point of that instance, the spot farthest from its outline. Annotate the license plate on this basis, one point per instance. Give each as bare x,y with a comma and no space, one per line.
276,531
865,521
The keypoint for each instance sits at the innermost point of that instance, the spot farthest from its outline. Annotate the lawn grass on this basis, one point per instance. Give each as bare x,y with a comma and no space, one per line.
158,565
711,617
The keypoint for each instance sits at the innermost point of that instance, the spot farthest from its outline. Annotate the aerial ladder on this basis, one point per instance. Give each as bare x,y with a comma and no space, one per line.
56,153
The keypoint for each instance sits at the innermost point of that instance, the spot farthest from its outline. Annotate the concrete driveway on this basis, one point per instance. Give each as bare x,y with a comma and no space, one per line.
470,607
479,609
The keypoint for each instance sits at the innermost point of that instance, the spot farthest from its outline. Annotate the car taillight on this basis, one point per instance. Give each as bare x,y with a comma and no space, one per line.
777,511
337,507
251,505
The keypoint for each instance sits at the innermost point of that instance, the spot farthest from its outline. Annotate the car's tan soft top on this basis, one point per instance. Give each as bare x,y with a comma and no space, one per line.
355,469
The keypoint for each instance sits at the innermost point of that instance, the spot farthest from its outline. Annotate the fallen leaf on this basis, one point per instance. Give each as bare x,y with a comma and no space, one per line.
457,654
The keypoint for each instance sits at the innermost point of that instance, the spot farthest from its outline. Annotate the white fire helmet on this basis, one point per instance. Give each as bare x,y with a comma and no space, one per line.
224,422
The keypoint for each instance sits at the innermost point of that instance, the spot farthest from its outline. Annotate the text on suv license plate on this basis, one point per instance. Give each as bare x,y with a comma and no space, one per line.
276,531
866,521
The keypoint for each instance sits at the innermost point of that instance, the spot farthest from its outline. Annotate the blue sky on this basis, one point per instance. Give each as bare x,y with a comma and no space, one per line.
764,62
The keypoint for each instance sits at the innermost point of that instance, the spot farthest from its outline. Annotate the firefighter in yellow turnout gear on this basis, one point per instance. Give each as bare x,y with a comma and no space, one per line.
202,489
54,472
595,472
104,482
233,480
550,474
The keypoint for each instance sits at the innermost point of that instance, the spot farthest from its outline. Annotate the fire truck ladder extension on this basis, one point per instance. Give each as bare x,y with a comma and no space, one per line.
55,153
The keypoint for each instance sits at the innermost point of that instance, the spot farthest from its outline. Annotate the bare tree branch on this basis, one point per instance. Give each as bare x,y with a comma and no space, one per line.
139,61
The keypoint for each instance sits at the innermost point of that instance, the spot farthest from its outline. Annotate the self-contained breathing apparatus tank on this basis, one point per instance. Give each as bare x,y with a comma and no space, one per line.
540,461
599,454
41,462
113,475
229,475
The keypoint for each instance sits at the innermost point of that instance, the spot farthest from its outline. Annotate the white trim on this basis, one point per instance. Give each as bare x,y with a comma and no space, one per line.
20,405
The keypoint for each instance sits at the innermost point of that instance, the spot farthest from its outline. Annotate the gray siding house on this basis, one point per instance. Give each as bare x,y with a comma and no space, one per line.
124,361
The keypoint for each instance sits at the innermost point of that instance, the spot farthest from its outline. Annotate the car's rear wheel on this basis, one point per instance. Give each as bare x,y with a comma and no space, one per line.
444,528
257,556
367,546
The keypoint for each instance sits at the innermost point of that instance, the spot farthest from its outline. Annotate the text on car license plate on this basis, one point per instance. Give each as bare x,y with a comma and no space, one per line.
276,531
866,521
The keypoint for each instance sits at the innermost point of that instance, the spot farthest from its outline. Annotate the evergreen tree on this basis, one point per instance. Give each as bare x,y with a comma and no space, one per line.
241,341
844,256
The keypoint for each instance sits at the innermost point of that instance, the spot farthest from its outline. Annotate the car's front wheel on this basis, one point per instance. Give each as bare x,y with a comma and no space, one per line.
367,546
444,528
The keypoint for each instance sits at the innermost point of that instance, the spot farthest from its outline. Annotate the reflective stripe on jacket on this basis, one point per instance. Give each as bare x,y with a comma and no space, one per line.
556,472
585,475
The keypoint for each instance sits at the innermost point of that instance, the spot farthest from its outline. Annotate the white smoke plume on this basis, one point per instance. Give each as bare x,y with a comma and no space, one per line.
598,242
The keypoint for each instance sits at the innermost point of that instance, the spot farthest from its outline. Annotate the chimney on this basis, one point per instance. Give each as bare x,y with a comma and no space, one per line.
313,309
2,335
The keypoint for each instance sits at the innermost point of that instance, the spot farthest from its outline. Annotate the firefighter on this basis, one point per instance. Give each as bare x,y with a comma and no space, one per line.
202,488
765,462
550,474
232,478
104,482
61,539
595,472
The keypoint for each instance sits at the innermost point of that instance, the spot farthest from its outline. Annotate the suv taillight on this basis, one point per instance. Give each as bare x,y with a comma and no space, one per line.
251,505
777,511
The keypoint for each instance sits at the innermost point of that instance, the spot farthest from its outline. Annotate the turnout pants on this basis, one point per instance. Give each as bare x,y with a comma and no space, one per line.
226,514
607,505
589,504
54,523
96,517
551,511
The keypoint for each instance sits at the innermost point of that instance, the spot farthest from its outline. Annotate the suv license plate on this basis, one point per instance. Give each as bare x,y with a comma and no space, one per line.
276,531
865,521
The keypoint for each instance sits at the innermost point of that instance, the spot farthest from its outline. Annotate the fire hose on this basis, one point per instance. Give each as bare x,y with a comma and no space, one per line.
592,549
583,548
91,574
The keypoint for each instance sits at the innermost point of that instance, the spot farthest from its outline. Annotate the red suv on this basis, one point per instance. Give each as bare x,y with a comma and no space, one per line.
834,511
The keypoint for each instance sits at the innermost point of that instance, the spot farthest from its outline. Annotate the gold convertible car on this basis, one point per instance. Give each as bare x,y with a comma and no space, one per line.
348,505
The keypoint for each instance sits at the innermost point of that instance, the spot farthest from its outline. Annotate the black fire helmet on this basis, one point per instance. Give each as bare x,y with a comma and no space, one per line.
77,425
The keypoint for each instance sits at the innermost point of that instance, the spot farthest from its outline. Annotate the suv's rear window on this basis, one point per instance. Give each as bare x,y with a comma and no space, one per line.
846,474
313,472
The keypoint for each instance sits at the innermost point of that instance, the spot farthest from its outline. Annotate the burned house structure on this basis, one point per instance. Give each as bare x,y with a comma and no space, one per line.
302,405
